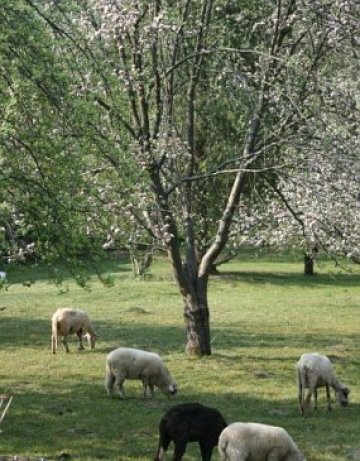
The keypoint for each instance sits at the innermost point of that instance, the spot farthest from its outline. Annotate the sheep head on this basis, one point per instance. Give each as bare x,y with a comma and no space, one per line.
342,393
173,389
91,339
167,383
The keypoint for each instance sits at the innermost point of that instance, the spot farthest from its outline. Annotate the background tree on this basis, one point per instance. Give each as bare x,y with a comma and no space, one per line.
314,205
45,156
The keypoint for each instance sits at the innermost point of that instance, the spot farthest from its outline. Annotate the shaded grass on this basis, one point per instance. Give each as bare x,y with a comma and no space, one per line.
264,314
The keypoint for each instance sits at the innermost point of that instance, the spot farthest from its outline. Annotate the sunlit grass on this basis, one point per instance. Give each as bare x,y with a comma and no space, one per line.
264,314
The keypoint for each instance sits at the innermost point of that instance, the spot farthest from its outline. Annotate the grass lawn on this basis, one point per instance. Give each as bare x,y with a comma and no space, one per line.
264,314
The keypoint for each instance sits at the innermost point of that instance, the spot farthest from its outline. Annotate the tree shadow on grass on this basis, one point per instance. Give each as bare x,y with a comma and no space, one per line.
313,341
25,331
28,274
287,279
82,421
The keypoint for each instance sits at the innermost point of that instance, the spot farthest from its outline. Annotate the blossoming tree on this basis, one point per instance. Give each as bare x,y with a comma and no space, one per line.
191,108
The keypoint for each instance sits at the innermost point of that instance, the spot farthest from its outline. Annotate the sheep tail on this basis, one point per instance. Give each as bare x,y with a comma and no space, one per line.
222,446
109,380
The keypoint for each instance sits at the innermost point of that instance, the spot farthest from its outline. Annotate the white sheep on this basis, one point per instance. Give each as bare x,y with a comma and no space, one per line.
126,363
314,371
68,321
257,442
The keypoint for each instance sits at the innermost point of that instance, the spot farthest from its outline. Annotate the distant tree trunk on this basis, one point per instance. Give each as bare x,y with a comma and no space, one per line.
309,260
308,265
141,261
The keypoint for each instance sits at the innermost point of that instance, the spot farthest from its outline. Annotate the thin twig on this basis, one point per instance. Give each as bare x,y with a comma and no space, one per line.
6,407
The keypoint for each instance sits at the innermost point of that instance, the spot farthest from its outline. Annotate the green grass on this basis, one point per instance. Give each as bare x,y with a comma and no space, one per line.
264,314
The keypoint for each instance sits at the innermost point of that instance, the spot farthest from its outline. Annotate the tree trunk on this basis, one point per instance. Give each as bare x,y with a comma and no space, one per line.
197,323
308,265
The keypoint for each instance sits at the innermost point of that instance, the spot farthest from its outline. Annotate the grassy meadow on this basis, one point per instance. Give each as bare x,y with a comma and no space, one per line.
264,314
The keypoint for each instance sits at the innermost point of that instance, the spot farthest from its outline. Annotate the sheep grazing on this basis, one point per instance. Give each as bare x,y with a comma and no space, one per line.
314,371
257,442
126,363
69,321
190,422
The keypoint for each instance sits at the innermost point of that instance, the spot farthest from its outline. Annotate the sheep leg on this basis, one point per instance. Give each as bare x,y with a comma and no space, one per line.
312,384
152,392
53,344
119,381
164,442
147,385
180,448
88,339
79,335
301,395
308,398
206,451
315,398
109,383
159,454
303,384
328,397
65,344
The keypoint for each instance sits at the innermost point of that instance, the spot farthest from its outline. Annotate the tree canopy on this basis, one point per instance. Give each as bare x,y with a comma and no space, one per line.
198,125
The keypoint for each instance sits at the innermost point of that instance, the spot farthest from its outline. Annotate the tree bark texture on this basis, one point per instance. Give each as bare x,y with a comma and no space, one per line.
197,323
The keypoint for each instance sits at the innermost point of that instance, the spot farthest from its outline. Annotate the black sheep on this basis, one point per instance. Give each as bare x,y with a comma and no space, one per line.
190,422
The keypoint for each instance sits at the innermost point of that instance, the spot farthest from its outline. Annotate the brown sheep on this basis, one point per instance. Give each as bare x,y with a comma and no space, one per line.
68,321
